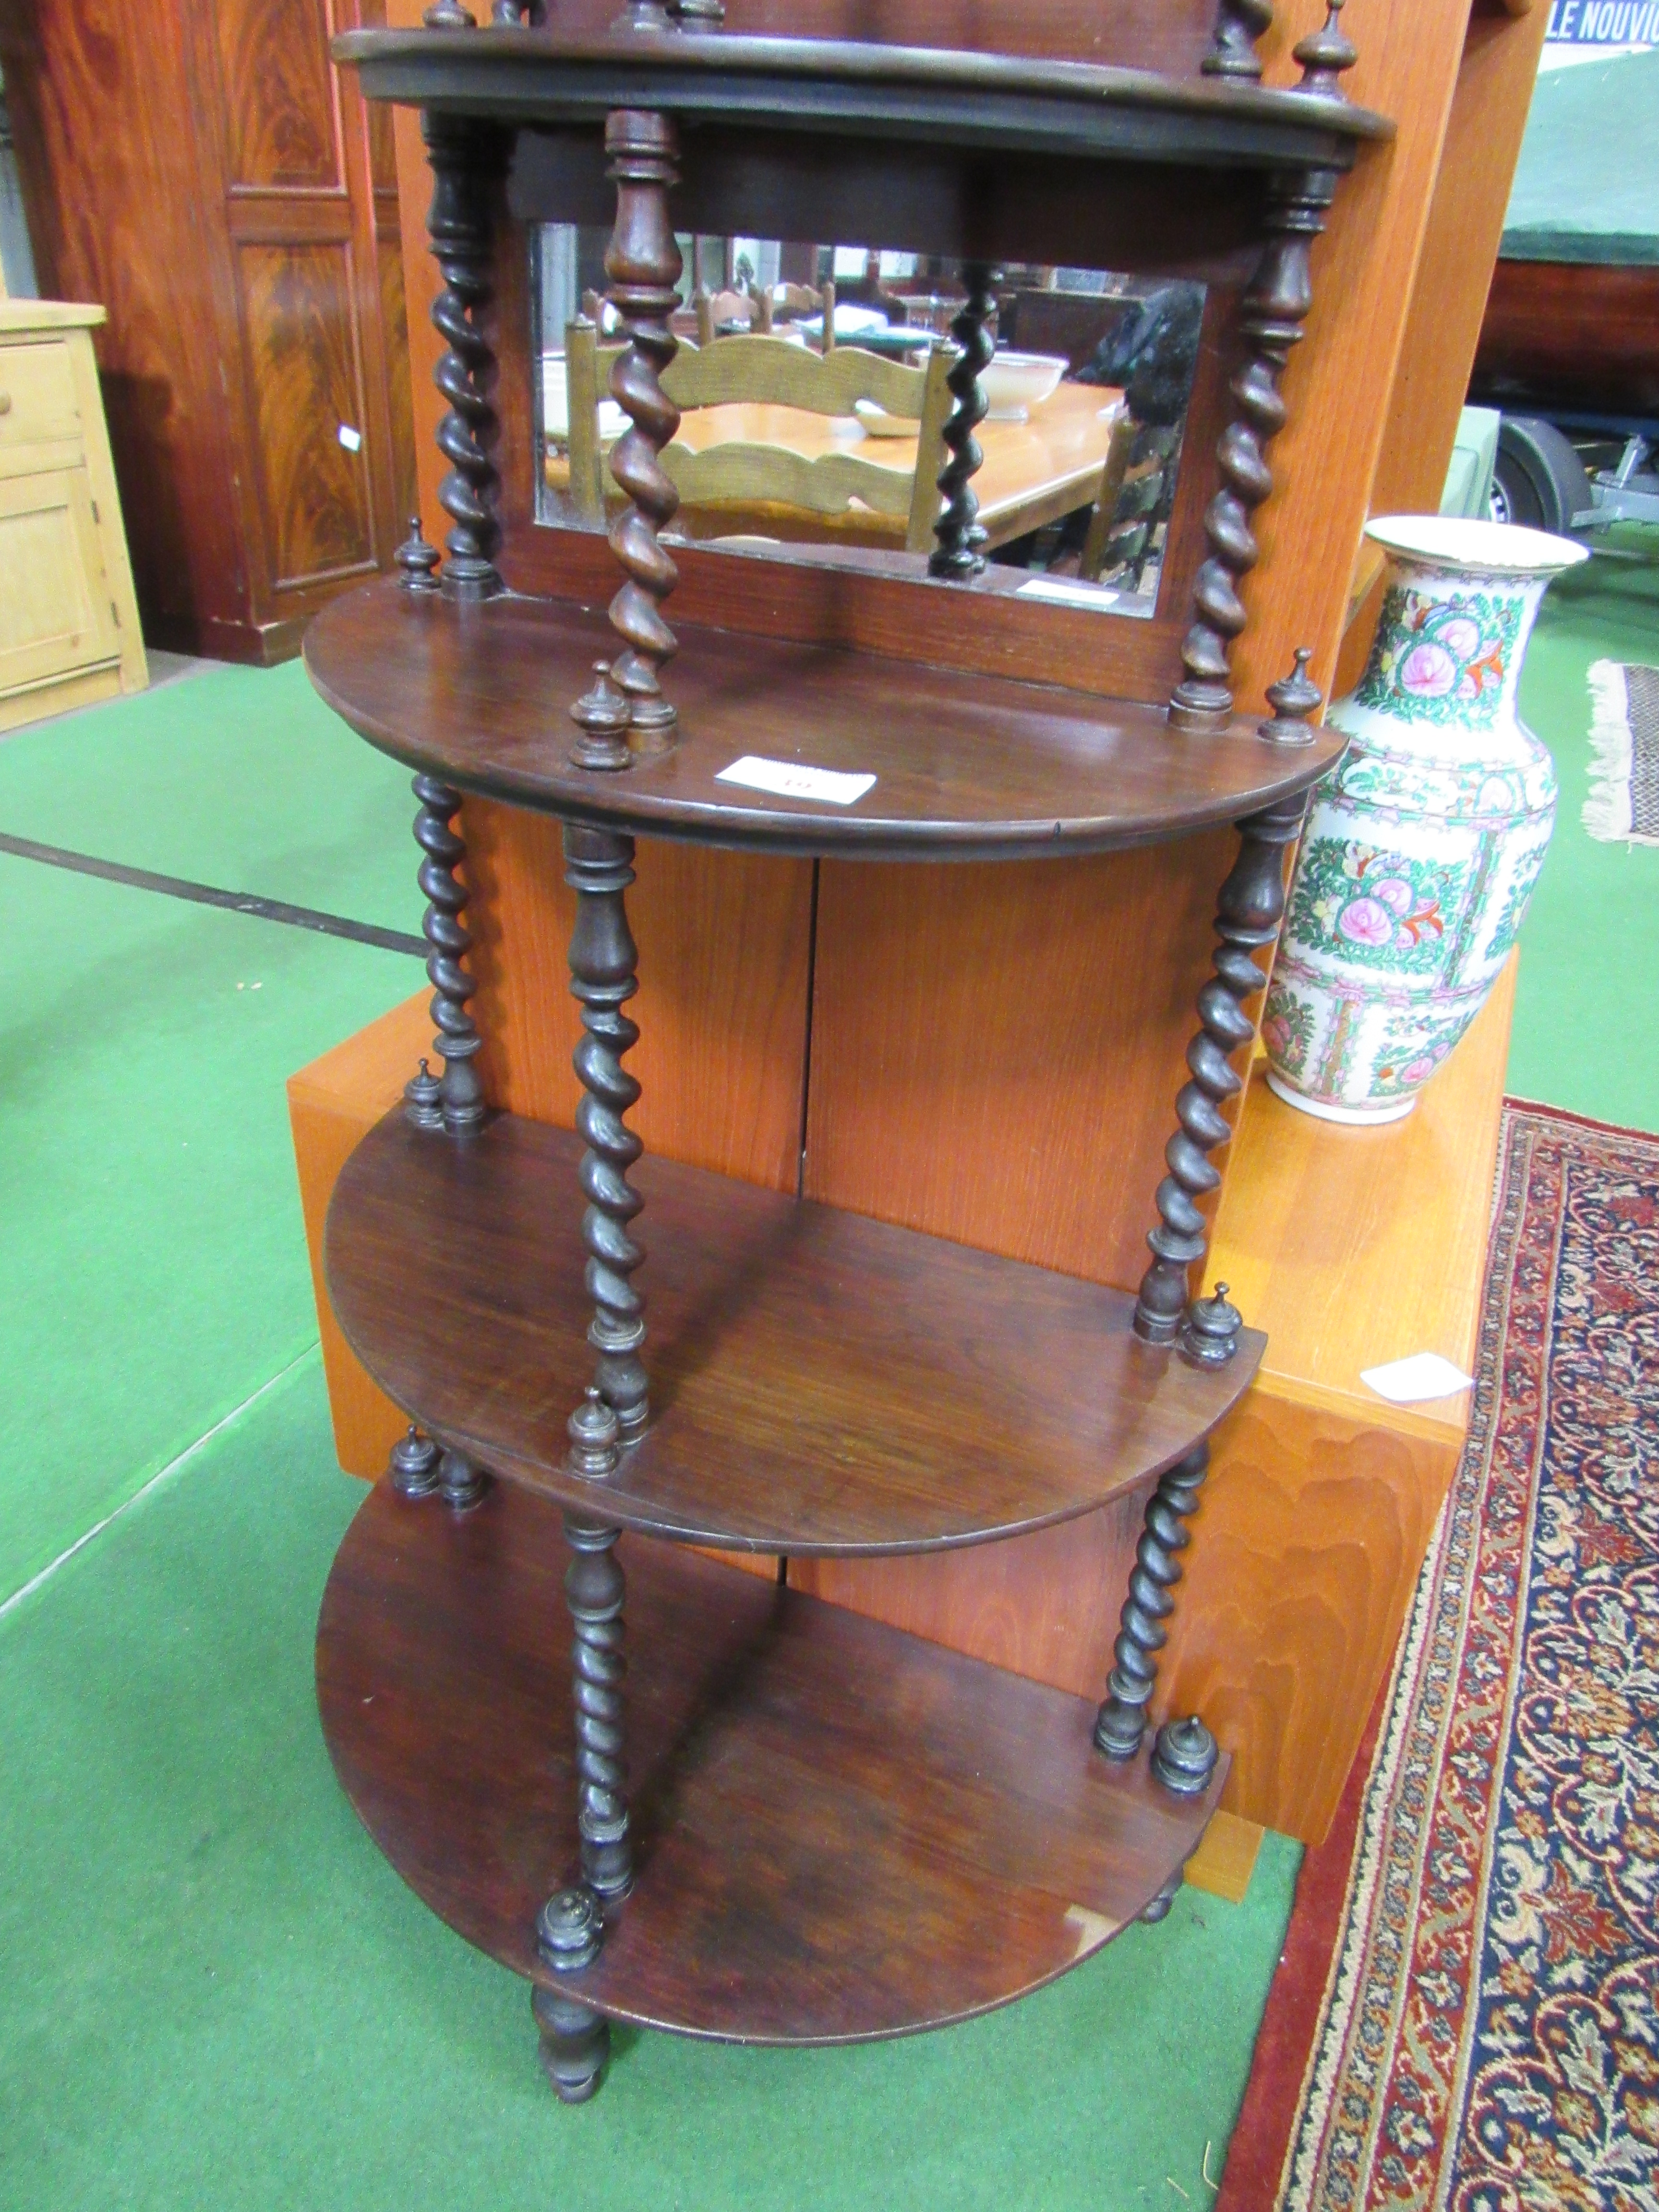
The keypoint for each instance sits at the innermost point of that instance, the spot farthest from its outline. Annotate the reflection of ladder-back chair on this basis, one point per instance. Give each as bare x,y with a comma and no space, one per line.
743,474
787,303
1137,490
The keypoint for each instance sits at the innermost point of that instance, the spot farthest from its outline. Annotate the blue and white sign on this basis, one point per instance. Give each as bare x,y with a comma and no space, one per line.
1590,30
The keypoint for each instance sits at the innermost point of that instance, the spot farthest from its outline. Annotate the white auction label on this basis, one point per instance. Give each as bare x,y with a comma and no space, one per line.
789,780
1412,1382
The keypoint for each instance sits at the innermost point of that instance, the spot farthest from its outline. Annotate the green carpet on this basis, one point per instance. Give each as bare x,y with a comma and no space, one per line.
1585,1036
241,778
156,1270
217,1994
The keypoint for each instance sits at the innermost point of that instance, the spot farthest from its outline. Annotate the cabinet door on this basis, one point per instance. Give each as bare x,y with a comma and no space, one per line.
55,612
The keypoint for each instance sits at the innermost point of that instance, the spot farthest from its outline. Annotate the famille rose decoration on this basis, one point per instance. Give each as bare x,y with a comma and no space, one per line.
1424,843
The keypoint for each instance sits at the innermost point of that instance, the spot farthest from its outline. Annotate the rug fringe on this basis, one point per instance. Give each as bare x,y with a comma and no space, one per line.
1607,813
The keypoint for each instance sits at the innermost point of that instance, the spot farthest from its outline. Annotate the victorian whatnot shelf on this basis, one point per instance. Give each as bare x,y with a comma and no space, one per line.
812,1827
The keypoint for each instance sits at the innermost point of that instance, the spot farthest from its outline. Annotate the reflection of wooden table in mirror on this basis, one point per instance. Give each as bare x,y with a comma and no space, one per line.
1033,472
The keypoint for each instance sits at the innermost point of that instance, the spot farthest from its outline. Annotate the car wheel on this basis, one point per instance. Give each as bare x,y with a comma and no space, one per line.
1538,480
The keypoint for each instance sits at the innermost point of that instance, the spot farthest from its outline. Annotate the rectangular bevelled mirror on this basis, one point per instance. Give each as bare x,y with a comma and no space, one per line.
812,381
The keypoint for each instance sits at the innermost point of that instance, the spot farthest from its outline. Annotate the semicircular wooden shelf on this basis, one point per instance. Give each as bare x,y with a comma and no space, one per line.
966,767
840,1831
557,75
820,1382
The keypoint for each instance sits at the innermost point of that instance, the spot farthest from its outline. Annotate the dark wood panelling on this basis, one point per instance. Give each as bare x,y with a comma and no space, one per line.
157,147
394,342
113,191
304,381
281,128
1571,334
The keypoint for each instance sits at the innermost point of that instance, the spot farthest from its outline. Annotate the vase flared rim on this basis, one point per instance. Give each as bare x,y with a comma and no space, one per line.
1456,541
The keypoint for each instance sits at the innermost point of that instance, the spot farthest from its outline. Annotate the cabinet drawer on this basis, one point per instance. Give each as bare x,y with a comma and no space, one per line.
37,394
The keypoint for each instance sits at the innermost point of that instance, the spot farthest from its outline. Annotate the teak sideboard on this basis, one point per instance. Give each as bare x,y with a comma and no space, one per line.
803,1824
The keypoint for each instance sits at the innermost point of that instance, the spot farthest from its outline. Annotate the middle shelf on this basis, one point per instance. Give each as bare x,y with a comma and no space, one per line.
820,1382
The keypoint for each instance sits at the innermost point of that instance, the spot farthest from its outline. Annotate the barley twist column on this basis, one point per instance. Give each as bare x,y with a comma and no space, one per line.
458,1102
1271,316
643,265
1248,913
603,959
1120,1724
467,163
960,552
594,1590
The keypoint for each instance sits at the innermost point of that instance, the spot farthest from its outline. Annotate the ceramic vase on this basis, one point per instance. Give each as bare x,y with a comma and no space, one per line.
1422,846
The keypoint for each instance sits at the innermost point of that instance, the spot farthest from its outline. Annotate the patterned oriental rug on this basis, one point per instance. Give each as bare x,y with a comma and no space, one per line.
1468,2013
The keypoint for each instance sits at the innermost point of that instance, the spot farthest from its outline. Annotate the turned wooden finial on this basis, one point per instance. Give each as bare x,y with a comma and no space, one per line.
1326,56
602,714
1184,1756
1240,25
1209,1335
418,559
642,15
1295,700
698,15
448,15
593,1432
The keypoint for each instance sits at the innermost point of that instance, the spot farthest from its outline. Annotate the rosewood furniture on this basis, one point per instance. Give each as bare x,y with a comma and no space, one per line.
806,1827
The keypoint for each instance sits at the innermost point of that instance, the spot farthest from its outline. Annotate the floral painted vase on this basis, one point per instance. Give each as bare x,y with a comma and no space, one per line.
1423,844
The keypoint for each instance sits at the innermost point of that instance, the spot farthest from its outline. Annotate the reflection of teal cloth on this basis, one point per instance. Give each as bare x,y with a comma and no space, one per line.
1468,480
1587,186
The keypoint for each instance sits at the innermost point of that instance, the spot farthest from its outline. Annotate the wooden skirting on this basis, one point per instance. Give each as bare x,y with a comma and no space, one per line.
1350,1248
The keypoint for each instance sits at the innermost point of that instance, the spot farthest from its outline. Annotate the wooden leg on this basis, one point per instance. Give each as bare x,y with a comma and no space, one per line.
575,2043
603,959
1248,913
457,1101
594,1590
1120,1724
461,1480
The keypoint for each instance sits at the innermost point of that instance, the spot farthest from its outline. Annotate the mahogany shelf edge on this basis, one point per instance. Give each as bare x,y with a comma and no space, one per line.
967,767
823,1383
848,85
842,1832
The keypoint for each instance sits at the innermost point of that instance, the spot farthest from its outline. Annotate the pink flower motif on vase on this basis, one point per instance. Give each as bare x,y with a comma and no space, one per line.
1365,921
1428,672
1418,1070
1460,636
1394,893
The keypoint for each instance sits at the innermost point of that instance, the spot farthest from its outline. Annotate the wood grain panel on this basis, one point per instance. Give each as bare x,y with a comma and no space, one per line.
281,131
995,1056
394,339
724,947
1450,297
117,214
1304,1554
304,381
1340,377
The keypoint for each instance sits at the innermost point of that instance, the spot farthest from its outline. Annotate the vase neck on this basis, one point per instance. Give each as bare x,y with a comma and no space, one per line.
1450,642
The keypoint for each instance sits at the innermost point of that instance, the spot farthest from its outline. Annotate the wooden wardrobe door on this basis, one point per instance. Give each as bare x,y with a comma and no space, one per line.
301,301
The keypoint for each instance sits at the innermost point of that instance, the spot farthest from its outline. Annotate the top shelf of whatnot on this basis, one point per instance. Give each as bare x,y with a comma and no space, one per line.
547,77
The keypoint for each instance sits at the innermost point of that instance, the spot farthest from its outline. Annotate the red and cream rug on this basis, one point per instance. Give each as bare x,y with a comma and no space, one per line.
1467,2014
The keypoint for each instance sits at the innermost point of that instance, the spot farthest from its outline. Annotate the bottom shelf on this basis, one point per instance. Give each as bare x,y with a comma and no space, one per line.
841,1831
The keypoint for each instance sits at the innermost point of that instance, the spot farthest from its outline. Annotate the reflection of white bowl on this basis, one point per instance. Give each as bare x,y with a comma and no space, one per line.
1016,382
880,424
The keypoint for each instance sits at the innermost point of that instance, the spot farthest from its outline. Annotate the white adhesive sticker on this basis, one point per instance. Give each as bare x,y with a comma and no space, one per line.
350,438
1093,596
1425,1374
789,780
